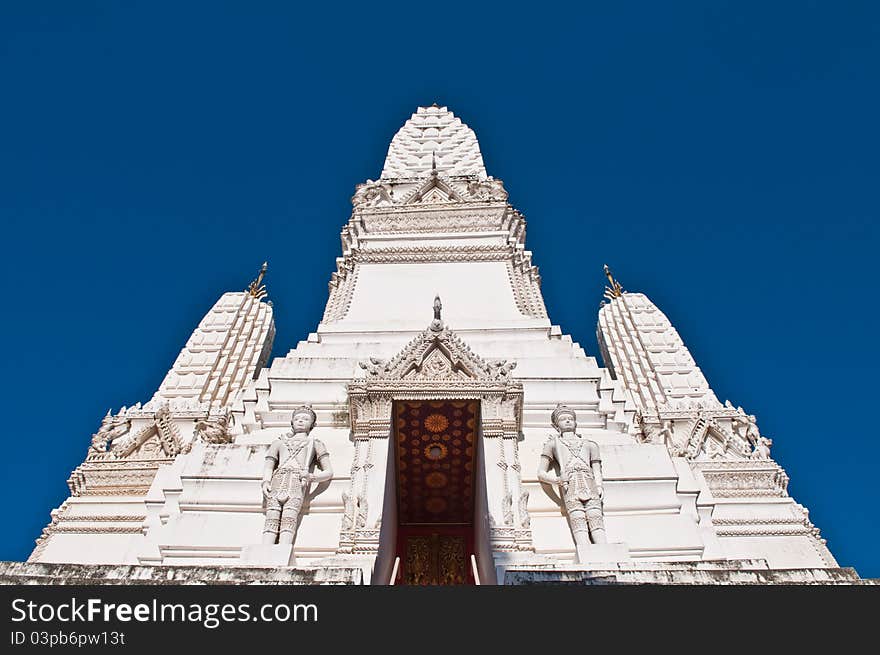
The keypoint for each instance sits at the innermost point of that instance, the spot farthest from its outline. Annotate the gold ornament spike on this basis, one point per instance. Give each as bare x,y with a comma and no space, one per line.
256,288
615,290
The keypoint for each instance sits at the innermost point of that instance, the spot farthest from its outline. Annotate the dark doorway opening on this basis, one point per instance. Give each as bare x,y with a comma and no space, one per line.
435,472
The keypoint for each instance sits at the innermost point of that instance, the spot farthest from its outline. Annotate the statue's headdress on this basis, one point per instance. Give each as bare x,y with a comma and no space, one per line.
559,411
305,409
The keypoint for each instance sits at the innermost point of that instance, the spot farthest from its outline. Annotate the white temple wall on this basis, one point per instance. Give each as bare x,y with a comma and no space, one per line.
513,342
95,529
87,548
399,296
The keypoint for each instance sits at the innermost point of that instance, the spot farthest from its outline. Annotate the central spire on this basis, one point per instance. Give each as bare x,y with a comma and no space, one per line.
434,139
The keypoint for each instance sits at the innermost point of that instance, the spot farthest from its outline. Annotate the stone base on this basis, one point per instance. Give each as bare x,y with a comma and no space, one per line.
617,552
722,572
33,573
523,557
267,555
364,562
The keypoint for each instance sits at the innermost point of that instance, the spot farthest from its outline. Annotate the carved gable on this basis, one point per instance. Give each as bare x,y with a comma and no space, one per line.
434,195
434,189
144,443
709,439
438,354
436,365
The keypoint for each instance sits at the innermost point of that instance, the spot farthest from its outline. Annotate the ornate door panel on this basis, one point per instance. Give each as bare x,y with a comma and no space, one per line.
435,559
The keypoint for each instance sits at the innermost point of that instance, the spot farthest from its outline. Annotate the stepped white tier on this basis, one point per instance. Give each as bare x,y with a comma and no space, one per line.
688,482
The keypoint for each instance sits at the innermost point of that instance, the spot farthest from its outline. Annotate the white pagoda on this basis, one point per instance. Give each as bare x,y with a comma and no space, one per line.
436,378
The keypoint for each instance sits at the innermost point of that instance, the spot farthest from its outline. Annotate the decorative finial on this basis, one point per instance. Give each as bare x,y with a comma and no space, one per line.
437,323
434,104
615,290
256,288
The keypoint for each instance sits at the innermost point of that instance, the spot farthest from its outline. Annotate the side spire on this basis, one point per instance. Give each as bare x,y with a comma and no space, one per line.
614,290
256,288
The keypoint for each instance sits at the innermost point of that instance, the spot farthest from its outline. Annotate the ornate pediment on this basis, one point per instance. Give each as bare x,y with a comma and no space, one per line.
438,354
122,461
159,439
431,189
710,440
434,189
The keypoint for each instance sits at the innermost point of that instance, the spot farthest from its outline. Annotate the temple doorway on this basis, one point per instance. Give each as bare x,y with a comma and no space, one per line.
435,474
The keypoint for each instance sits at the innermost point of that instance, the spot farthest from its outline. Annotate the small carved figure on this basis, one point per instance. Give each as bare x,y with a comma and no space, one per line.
112,427
752,432
286,476
637,428
374,367
354,511
762,448
349,508
499,368
507,509
361,516
366,193
524,519
580,476
747,426
490,189
666,435
214,431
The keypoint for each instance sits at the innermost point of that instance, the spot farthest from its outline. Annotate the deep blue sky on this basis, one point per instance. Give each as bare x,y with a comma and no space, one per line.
721,157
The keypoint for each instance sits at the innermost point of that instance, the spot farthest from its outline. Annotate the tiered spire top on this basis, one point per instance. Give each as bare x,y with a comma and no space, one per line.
434,139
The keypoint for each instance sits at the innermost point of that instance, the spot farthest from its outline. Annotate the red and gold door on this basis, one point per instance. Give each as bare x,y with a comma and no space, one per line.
436,443
435,555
